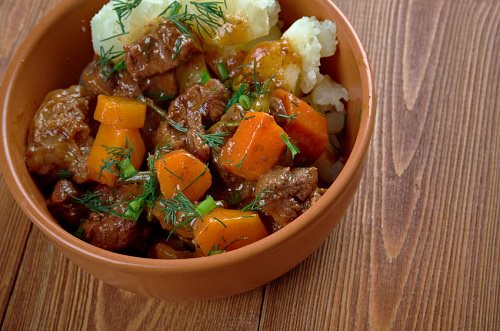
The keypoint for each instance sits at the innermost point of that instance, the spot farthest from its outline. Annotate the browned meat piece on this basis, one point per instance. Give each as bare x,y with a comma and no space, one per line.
92,78
59,137
61,204
126,85
161,87
290,192
191,72
201,105
112,232
231,57
230,121
159,51
277,110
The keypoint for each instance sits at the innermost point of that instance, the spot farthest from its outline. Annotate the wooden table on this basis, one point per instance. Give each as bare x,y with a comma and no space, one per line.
418,249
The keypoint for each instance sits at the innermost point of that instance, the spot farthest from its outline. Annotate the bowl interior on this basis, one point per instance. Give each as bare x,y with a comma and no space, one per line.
58,50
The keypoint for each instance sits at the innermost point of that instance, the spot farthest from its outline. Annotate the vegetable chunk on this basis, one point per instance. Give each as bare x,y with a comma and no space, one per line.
307,128
225,230
181,171
122,113
255,147
114,150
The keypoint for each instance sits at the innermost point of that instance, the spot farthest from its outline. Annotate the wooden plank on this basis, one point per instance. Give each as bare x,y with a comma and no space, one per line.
419,248
52,293
18,18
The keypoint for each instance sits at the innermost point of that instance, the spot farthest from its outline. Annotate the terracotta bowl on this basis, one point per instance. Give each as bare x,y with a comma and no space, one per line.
54,55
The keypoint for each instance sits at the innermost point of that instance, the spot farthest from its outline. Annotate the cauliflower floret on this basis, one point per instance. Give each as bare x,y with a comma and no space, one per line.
313,40
328,94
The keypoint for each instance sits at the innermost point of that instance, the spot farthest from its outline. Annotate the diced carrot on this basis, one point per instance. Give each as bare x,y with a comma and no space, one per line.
226,230
181,171
308,129
255,147
107,138
122,113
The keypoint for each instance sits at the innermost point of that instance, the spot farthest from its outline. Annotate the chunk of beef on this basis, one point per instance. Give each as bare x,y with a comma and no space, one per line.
192,72
112,232
159,51
290,192
61,204
200,105
94,79
185,231
59,137
126,85
161,87
278,111
230,121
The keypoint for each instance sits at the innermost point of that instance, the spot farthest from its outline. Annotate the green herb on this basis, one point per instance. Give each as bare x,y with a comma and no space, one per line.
123,9
288,117
64,174
242,89
257,203
218,220
210,16
206,206
213,140
244,101
177,49
240,164
173,174
222,71
180,18
79,233
214,250
205,77
196,179
177,126
233,198
119,163
293,149
94,203
106,57
178,211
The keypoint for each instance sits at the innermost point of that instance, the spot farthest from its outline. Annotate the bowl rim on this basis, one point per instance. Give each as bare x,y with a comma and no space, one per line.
61,237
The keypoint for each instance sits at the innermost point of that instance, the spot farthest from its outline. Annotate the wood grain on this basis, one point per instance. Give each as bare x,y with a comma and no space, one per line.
419,249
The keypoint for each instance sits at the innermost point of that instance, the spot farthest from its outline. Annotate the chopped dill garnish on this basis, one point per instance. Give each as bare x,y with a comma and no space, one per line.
123,9
257,203
210,16
291,147
233,198
173,174
196,179
119,162
288,117
240,163
64,174
214,250
213,140
178,211
177,126
106,57
220,221
93,202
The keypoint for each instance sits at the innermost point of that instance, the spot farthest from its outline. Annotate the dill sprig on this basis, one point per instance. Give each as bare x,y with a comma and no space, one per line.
64,174
123,9
288,117
213,140
258,203
217,249
209,17
106,57
93,201
248,93
291,147
119,161
178,211
233,198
